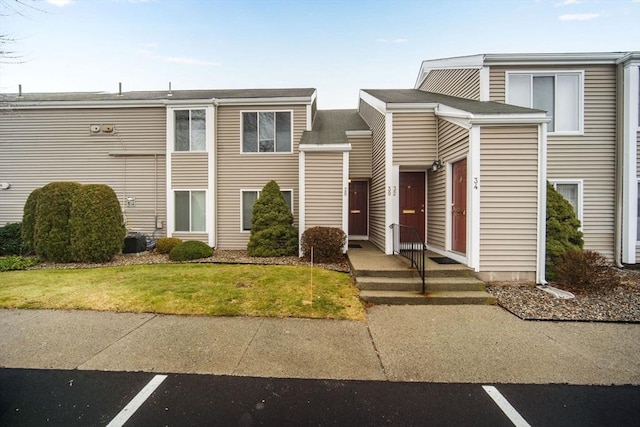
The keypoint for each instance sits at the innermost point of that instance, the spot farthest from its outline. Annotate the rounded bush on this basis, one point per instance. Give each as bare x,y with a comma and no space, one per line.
327,242
563,230
272,230
29,222
96,224
53,210
586,272
193,249
165,244
11,239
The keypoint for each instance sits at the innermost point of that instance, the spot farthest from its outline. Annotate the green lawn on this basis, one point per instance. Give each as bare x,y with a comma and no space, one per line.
200,289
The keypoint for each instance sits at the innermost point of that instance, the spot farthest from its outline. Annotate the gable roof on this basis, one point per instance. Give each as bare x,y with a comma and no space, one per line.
331,126
417,97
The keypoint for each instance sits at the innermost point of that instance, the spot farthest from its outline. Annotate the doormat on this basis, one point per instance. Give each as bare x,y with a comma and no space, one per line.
443,260
355,245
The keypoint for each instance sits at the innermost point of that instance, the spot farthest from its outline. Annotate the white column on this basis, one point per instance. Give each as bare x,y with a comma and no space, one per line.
541,238
473,199
629,164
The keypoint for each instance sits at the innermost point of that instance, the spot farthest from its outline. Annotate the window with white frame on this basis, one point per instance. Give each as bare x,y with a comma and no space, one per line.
266,132
190,211
249,197
572,192
190,130
559,94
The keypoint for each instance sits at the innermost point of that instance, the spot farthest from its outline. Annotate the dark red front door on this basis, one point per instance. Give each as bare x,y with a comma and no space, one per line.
358,201
412,201
459,207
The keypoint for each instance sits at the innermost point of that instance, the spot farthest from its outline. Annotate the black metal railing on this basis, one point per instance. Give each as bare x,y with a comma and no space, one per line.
408,243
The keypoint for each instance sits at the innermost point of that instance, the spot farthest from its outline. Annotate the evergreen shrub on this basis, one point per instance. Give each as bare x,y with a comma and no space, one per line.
165,244
96,224
327,242
11,239
29,223
192,249
563,231
272,230
586,272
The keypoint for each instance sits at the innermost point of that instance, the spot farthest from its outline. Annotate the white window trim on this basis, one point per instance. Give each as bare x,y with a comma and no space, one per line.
171,127
580,183
173,212
553,73
263,153
259,190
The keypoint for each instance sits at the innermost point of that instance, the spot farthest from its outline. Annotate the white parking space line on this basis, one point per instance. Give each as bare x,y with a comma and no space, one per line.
137,402
506,407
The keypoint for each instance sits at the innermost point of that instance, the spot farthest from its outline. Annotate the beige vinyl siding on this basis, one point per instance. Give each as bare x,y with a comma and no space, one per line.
189,170
591,156
414,136
376,122
236,171
463,83
454,145
203,237
46,145
508,198
360,157
323,190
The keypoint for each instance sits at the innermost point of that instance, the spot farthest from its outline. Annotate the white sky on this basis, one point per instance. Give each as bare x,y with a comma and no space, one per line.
337,47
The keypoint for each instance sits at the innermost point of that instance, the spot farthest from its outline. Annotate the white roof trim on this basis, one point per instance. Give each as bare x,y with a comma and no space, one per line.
373,101
356,133
552,58
510,119
319,148
417,107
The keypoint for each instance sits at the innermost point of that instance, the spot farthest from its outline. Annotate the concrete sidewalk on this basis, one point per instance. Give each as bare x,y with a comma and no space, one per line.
477,344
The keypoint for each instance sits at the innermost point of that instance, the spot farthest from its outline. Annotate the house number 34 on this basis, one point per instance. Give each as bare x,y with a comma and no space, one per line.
475,182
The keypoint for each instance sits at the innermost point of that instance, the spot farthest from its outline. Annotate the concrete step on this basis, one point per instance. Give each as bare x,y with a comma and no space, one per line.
453,284
395,273
430,298
389,283
450,272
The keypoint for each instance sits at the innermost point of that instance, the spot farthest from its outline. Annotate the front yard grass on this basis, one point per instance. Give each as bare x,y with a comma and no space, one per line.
191,289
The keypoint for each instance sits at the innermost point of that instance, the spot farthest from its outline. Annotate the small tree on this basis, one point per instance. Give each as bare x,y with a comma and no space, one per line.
563,230
10,239
52,234
29,222
272,230
96,224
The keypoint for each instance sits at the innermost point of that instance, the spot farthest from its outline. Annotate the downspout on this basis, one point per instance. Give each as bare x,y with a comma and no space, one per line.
619,179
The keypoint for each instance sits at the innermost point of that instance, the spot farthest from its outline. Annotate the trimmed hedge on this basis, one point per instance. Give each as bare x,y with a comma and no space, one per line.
563,231
29,222
165,244
193,249
11,239
327,242
272,230
96,224
52,233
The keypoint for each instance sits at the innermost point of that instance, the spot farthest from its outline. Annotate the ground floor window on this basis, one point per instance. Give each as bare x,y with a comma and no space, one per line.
249,197
190,211
571,190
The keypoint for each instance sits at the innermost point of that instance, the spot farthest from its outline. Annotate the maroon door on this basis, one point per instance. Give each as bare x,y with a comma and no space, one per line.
412,197
358,201
459,207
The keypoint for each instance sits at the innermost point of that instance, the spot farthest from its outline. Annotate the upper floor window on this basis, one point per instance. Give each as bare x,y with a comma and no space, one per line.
559,94
190,130
266,132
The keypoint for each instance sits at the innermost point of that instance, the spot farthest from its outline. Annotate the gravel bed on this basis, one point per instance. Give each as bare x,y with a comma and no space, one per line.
219,257
620,304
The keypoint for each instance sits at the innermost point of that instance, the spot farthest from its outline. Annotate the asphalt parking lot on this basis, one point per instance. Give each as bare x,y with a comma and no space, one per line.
86,398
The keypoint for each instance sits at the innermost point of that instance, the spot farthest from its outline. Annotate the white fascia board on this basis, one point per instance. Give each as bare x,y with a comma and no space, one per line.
412,107
446,111
373,101
82,104
630,59
356,133
267,101
320,148
509,119
469,61
553,58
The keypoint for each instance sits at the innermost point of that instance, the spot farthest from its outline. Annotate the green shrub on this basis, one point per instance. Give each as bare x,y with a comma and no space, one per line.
29,222
327,242
192,249
13,262
11,239
96,224
165,244
52,234
586,272
563,230
272,230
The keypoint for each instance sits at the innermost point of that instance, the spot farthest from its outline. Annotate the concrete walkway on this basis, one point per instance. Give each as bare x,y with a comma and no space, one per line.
477,344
